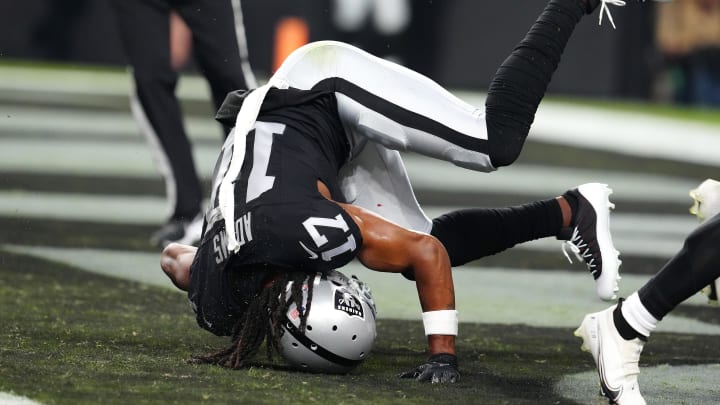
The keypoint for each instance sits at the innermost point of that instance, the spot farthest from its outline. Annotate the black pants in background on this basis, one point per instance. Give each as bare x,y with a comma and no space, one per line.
221,56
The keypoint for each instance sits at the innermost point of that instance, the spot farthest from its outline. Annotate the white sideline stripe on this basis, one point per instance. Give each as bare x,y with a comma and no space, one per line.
547,181
630,224
72,81
140,210
550,298
635,134
107,158
630,133
649,235
59,122
7,398
136,266
71,206
133,159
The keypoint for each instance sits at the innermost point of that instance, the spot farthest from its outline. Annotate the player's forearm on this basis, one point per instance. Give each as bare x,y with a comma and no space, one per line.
433,277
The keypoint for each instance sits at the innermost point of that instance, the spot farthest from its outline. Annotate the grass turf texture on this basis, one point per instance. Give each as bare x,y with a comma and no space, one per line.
70,337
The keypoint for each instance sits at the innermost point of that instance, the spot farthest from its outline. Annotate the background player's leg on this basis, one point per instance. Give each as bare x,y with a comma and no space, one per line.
144,29
218,42
696,265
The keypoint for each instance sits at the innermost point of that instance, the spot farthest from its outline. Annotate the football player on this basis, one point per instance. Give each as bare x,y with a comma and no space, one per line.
311,178
615,337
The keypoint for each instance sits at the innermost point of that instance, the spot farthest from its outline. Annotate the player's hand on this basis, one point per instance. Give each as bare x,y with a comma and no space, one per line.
440,368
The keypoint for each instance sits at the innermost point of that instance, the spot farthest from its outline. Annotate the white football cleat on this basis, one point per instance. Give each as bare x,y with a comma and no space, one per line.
616,358
591,241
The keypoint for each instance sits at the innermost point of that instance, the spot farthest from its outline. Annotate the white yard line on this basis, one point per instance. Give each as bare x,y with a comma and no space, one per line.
633,134
72,81
7,398
644,234
636,134
44,123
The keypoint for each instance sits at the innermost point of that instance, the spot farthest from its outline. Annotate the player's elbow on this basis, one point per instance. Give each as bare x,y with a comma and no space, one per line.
429,253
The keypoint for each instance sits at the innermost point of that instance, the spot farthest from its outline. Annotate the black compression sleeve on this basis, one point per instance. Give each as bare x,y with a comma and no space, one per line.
471,234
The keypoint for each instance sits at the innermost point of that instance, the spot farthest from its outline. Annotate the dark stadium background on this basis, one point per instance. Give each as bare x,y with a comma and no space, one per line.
459,43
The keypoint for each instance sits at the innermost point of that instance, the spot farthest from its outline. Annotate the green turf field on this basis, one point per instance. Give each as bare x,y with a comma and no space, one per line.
70,337
88,318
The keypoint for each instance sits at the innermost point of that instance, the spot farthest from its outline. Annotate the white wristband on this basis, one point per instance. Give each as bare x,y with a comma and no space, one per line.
443,322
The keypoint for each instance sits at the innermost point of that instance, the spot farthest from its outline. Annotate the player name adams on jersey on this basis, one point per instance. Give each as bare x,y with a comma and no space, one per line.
281,219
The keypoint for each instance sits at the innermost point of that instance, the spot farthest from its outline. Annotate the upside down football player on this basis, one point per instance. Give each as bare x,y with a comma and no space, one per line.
311,178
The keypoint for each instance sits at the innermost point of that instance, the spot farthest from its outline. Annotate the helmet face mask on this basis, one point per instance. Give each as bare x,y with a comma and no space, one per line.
340,330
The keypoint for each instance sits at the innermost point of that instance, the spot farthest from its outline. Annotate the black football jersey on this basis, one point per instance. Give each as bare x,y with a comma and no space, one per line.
281,220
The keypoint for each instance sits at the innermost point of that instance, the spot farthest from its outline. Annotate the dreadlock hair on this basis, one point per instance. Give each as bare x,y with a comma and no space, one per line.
263,320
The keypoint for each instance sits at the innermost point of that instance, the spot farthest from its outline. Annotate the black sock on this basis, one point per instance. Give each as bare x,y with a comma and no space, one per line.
566,232
471,234
624,328
572,200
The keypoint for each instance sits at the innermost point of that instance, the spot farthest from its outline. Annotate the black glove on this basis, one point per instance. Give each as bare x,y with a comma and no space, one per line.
440,368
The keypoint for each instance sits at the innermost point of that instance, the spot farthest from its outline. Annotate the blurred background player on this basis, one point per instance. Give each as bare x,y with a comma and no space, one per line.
615,337
219,47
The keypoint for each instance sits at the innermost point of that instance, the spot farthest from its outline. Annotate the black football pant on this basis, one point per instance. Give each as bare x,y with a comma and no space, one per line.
695,266
521,81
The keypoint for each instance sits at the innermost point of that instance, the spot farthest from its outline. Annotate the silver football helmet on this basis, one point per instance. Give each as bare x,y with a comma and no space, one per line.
340,330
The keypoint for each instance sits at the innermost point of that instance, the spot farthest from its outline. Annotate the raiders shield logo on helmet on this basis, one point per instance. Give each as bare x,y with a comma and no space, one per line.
348,303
